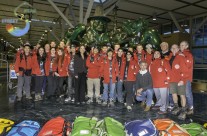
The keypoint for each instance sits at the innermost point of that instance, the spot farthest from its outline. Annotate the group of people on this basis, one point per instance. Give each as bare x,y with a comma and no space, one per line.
105,75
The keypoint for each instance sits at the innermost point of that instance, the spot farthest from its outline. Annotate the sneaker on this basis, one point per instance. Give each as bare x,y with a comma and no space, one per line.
147,108
98,100
36,97
73,100
19,99
162,112
155,107
90,100
190,111
143,104
175,110
40,97
129,108
170,108
182,115
68,99
104,103
111,103
78,103
29,97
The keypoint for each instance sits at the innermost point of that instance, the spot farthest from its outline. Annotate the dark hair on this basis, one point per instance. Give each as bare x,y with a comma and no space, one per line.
60,58
43,57
130,53
85,53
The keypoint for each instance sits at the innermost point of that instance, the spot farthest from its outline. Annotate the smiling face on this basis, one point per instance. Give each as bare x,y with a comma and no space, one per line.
174,49
41,51
157,54
143,66
52,51
183,46
82,49
164,46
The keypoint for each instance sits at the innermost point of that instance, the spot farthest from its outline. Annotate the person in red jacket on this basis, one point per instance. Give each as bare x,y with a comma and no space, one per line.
93,64
23,68
47,48
121,60
128,75
184,45
61,68
177,80
116,48
139,54
159,69
51,79
149,54
38,69
109,69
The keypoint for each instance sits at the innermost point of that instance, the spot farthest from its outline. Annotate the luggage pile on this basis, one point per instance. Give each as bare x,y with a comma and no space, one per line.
84,126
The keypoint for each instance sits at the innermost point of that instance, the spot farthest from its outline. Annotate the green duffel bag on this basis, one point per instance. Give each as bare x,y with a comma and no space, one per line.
195,129
113,127
84,126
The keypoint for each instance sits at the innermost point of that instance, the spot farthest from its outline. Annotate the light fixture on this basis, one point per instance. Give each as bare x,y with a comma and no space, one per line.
45,31
2,39
154,16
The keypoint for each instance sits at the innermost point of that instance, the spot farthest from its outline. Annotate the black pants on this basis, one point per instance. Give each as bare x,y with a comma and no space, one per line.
32,84
60,89
80,87
101,85
128,85
39,81
51,85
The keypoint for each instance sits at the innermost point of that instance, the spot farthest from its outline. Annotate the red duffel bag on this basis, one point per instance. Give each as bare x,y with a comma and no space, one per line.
55,127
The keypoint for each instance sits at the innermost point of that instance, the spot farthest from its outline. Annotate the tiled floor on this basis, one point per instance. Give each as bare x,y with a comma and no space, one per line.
42,111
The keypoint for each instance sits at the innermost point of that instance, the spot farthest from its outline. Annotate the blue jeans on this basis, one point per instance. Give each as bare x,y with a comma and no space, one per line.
146,96
118,91
189,95
108,87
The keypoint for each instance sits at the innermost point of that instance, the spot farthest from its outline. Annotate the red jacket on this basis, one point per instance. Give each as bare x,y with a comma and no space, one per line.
21,63
178,69
132,70
160,72
93,66
47,64
36,67
143,56
62,69
149,58
105,72
189,63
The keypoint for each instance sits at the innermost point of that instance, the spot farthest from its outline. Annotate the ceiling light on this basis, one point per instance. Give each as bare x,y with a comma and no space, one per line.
154,16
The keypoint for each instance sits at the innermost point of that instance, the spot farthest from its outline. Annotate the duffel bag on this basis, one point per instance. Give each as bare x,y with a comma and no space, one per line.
5,126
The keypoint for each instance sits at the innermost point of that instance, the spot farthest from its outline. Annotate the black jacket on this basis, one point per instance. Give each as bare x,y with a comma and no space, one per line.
144,81
79,64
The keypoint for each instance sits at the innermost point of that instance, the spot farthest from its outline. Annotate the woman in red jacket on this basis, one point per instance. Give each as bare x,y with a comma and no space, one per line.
159,70
93,64
128,75
38,69
51,79
61,68
110,70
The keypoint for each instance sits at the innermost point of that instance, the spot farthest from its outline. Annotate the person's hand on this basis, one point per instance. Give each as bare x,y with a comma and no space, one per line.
180,83
57,74
139,91
76,76
17,74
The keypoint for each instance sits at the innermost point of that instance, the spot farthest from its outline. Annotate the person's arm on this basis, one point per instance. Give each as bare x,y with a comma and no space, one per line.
76,61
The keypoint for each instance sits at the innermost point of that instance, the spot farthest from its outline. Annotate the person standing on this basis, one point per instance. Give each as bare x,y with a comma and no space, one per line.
139,54
177,81
51,79
128,76
109,69
80,71
38,69
184,45
159,69
93,64
149,54
23,69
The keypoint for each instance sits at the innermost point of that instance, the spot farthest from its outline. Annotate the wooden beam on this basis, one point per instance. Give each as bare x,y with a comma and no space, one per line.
90,5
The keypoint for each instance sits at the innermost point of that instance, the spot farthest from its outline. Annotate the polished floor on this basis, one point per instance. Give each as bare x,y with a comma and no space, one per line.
44,110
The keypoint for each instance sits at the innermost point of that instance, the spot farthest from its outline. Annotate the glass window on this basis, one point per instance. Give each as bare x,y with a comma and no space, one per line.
198,55
205,39
167,29
99,1
204,56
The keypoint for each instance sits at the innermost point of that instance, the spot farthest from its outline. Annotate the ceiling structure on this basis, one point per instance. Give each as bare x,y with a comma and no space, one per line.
48,23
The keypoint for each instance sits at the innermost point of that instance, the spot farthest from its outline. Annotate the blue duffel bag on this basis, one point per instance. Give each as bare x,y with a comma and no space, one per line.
141,128
25,128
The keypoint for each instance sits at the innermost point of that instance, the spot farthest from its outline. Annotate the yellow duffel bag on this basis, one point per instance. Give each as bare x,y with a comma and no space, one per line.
5,125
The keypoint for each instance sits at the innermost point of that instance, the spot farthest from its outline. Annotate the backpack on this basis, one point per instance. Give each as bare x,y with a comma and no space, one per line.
195,129
55,127
141,128
5,126
25,128
168,127
84,126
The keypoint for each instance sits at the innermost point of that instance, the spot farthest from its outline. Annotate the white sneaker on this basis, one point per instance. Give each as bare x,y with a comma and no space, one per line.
68,99
129,108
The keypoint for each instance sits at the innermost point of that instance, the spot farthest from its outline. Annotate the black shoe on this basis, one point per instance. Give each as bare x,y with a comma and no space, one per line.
182,115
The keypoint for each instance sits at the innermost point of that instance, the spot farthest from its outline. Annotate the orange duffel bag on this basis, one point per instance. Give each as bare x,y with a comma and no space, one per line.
168,127
55,127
